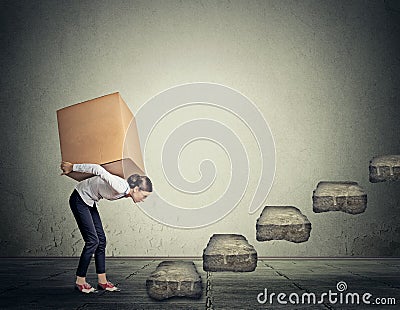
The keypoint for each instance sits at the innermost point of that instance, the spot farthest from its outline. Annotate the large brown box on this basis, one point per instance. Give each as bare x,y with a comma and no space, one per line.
94,132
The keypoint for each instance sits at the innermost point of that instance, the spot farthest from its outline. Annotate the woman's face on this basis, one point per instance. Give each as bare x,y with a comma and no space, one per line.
139,195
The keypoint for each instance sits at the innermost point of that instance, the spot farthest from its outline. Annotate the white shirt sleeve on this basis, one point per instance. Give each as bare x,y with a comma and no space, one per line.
117,183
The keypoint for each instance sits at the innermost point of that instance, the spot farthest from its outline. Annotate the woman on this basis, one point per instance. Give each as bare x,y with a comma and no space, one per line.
83,205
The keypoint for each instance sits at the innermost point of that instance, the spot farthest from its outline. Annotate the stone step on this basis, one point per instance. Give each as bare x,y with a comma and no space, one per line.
345,196
229,252
384,168
174,278
283,223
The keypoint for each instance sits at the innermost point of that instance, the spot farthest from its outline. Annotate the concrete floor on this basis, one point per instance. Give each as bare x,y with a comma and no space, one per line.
47,283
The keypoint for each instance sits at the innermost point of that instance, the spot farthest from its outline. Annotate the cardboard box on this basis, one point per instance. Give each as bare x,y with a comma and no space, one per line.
94,132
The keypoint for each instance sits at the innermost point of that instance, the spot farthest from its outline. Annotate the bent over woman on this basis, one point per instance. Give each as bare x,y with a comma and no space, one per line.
83,205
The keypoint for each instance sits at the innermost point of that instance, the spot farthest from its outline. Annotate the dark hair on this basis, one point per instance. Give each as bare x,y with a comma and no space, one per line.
141,181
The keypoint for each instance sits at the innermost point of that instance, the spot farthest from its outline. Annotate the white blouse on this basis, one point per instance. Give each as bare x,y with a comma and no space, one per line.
102,185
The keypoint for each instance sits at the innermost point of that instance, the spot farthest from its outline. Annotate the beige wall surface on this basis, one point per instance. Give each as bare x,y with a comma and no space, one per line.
324,74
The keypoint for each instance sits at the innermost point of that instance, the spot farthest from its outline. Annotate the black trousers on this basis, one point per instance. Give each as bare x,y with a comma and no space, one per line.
89,223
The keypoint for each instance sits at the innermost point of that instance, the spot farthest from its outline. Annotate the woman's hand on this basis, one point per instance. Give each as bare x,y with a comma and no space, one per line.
66,167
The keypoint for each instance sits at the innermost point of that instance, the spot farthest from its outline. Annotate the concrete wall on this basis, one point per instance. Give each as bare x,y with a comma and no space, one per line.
325,75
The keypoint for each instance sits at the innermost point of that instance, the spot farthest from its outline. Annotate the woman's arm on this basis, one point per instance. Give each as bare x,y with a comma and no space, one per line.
114,181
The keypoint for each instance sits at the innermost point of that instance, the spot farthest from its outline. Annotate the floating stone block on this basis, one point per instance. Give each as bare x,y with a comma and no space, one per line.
174,278
229,252
347,197
384,168
283,223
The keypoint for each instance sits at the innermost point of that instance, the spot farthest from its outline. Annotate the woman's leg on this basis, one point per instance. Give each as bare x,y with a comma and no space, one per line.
83,217
100,253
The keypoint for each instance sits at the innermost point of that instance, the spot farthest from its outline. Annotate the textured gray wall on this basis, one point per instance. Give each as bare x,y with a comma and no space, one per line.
325,75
